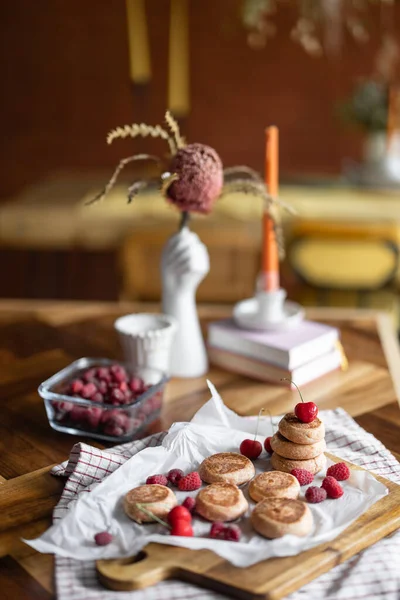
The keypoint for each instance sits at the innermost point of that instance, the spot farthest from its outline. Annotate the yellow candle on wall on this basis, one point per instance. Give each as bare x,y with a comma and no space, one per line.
139,54
178,83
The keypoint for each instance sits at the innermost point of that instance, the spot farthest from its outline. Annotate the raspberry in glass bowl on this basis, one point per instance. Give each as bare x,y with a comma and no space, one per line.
103,399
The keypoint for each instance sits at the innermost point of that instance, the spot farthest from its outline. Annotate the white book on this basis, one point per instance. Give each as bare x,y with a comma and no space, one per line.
263,371
287,349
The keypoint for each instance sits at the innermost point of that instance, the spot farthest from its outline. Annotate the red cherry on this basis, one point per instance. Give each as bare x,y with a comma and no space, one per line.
250,448
179,513
182,528
306,411
267,445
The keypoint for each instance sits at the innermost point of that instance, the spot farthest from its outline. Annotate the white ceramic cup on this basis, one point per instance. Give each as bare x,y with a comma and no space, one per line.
146,339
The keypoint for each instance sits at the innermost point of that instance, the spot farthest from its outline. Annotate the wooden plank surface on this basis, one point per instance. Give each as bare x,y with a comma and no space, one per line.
37,338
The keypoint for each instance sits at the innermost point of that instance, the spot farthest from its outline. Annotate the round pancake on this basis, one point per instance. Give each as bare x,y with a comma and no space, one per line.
157,499
221,502
296,431
276,517
314,465
288,449
227,467
273,484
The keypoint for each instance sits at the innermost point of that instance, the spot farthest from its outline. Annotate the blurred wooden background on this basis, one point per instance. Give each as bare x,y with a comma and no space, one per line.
65,72
65,76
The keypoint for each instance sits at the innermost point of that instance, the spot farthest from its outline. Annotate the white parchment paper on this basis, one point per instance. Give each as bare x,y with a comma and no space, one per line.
213,429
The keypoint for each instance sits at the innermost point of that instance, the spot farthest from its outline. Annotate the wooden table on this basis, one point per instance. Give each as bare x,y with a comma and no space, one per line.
39,338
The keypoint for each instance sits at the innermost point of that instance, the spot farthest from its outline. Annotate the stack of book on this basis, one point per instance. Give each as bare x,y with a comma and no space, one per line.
302,354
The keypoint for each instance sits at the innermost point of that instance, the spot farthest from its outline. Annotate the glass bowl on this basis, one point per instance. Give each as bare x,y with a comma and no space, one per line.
110,422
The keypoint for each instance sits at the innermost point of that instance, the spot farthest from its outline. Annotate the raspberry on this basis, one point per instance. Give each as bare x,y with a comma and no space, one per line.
97,397
303,476
132,425
332,487
232,533
128,397
114,430
174,476
120,376
340,471
78,414
179,513
315,494
93,416
217,530
147,408
160,479
89,375
117,397
88,390
190,504
182,528
136,384
267,445
76,386
103,538
156,401
65,406
102,373
190,482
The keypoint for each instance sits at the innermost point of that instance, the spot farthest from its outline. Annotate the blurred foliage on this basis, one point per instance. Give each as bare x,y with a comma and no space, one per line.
368,106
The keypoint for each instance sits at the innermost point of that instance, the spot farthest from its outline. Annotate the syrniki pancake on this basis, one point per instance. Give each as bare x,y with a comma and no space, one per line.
301,433
314,465
276,517
227,467
288,449
221,502
157,499
273,484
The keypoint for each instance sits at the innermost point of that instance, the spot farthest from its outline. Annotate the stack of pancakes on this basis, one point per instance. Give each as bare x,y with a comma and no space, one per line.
298,445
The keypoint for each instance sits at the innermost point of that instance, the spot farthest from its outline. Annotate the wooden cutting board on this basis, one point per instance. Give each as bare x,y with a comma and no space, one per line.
270,579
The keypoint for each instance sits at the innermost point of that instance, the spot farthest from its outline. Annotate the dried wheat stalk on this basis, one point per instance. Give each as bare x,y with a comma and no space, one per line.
174,128
142,130
258,189
240,170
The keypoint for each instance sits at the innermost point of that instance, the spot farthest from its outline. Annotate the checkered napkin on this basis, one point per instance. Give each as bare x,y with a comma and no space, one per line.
373,574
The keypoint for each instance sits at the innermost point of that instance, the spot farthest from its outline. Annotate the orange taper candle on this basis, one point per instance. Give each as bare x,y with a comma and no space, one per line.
270,258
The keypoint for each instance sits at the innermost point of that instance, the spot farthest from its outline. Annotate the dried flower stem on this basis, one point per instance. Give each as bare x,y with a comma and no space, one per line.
184,220
121,165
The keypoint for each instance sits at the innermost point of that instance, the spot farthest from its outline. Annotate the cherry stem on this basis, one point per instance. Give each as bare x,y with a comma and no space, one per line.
150,514
258,423
295,384
272,423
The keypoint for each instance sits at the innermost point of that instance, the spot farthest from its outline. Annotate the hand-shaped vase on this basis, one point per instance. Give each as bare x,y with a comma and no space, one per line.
184,264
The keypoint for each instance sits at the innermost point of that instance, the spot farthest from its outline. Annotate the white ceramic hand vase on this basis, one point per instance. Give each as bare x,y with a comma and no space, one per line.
184,264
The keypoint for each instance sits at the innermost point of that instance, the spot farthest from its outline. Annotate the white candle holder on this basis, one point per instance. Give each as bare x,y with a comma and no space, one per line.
268,310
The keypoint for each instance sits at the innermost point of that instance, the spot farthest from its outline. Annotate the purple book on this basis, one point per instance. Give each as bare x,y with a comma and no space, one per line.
287,349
